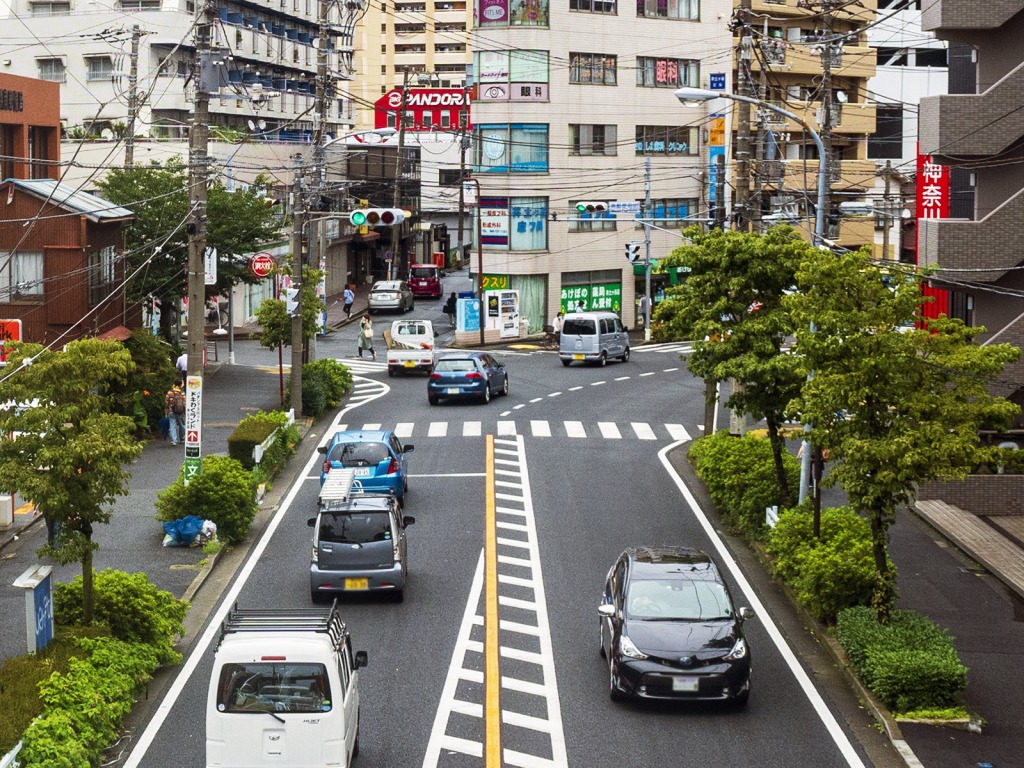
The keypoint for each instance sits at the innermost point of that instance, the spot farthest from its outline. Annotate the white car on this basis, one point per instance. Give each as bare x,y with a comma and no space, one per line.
391,296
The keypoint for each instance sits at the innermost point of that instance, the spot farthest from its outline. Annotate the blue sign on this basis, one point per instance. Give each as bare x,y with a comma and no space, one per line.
713,181
467,315
44,613
717,81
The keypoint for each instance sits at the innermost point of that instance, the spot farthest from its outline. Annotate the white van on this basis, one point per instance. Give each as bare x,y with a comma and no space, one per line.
284,691
593,337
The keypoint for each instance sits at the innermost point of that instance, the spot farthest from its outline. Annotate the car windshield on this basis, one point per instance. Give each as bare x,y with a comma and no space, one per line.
678,600
359,454
424,272
273,687
355,527
578,326
455,365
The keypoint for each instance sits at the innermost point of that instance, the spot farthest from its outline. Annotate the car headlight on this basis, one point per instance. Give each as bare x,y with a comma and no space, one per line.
626,648
739,651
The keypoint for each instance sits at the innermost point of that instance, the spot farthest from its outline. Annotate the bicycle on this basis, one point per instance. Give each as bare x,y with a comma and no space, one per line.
550,337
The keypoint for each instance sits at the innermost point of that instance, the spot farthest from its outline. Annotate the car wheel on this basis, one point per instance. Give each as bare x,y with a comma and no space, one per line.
565,363
314,596
398,595
487,392
504,387
602,361
625,356
613,688
600,632
432,399
391,372
741,698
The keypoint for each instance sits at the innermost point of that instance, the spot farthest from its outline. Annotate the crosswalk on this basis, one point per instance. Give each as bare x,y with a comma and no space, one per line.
539,428
681,347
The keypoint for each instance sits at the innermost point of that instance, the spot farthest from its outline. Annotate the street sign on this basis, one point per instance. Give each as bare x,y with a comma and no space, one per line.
262,265
387,256
210,267
631,207
193,427
717,81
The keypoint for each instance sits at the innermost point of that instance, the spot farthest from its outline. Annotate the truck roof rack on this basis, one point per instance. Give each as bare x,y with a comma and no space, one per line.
326,620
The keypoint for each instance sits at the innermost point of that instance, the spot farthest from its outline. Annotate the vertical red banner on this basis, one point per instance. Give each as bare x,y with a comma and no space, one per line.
932,203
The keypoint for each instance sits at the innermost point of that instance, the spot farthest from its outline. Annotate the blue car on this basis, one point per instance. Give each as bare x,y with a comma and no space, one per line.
377,456
469,374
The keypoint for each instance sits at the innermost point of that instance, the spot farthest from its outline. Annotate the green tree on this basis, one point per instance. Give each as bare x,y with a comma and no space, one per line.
237,223
71,454
892,407
276,323
731,306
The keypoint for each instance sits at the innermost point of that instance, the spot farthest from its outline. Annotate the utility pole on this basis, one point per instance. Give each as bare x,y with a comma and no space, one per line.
133,99
826,100
463,146
887,208
647,247
298,217
742,194
396,256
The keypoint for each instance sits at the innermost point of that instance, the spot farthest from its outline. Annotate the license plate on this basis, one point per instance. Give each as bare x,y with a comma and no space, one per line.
409,363
577,357
685,684
362,472
452,391
357,583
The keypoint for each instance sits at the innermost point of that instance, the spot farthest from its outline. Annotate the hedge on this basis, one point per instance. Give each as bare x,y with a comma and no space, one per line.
253,430
224,493
909,664
325,383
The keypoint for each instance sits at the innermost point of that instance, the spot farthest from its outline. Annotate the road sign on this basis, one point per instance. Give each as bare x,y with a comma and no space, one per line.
210,267
262,265
716,81
193,427
624,206
387,256
633,251
193,468
10,330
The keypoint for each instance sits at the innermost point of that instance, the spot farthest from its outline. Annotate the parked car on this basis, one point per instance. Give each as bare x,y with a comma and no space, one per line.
391,296
358,540
377,456
470,374
669,629
425,280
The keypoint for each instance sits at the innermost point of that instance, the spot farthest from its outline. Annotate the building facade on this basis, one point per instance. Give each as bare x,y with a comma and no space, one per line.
29,128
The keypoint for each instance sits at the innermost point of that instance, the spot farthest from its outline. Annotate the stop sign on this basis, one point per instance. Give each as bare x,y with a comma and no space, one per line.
262,265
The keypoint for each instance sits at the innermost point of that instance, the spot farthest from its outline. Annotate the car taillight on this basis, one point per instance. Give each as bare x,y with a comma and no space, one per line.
435,376
326,468
474,375
393,467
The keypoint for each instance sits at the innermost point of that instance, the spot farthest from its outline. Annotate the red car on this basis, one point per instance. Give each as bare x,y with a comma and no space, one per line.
425,280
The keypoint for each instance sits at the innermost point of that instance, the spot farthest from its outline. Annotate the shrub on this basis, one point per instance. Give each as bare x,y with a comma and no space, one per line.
223,493
739,473
829,573
325,383
250,432
909,664
141,396
134,609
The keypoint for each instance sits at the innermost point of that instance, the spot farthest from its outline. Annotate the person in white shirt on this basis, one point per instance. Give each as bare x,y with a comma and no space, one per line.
182,364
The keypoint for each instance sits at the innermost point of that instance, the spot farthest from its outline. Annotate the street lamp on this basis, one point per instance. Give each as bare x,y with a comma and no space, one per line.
479,253
694,96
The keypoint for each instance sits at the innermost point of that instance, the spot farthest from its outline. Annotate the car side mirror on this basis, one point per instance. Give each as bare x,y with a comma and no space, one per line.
311,522
408,448
746,613
408,520
322,449
361,659
607,610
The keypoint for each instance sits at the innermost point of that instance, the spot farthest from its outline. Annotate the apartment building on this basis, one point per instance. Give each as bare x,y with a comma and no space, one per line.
574,104
29,128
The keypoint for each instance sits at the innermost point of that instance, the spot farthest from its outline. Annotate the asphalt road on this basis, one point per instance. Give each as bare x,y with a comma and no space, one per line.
577,502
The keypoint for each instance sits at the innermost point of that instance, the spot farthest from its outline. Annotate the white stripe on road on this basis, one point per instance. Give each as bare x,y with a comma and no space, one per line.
437,429
471,429
575,429
608,430
643,431
506,427
540,429
404,429
678,432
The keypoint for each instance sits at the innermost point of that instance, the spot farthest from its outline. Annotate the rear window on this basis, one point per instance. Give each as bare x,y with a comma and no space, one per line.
455,365
258,687
578,326
355,527
359,454
424,272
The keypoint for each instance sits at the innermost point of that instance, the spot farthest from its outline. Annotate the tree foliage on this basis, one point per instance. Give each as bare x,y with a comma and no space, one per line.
731,307
275,321
893,407
71,454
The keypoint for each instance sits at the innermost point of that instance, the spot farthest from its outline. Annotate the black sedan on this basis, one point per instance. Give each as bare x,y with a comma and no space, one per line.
469,374
669,629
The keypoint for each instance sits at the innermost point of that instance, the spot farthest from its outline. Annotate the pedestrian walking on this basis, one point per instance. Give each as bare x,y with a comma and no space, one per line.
580,306
366,337
645,308
182,364
349,299
449,308
174,410
557,324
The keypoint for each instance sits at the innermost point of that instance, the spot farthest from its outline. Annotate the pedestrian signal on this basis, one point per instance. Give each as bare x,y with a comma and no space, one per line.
632,251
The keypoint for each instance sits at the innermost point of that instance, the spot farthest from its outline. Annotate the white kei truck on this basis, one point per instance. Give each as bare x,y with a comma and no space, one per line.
410,346
284,691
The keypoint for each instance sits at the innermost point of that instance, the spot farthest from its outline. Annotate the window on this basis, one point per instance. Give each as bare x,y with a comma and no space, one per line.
259,687
666,140
517,223
593,139
688,10
590,222
38,151
99,68
930,57
140,5
6,154
50,9
21,276
449,177
592,68
674,212
592,6
667,73
52,70
887,140
516,148
522,13
102,264
891,57
520,75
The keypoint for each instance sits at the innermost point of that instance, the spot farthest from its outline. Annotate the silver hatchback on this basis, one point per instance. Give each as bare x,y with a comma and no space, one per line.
391,296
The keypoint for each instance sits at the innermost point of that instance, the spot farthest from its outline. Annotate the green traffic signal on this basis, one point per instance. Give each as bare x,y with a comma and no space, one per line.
358,218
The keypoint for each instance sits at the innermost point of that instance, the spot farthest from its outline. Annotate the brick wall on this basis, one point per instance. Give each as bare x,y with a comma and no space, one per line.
979,494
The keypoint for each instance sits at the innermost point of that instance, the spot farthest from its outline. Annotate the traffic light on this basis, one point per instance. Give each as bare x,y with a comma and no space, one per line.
377,217
291,301
632,251
589,206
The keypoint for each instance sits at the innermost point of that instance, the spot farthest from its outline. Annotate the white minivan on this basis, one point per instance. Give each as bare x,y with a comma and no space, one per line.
284,691
593,337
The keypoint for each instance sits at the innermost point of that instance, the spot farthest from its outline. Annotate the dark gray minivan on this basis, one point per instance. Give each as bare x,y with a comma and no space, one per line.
593,337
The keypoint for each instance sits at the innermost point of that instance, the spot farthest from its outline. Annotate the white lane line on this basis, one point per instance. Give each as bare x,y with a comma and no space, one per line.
517,407
523,686
822,710
597,383
649,373
437,429
506,427
575,429
371,427
540,428
622,378
471,429
575,389
554,394
643,431
525,721
678,432
669,370
536,399
404,429
464,746
609,430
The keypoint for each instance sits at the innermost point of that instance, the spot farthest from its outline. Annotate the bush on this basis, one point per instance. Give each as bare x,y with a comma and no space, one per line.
141,396
739,473
134,609
84,707
250,432
223,493
909,664
829,573
325,383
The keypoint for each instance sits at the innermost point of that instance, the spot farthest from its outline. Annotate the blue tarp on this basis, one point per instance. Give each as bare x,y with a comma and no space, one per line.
185,530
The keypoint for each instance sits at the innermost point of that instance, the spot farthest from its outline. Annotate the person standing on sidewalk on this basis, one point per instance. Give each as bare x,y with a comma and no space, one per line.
174,410
349,300
366,337
450,308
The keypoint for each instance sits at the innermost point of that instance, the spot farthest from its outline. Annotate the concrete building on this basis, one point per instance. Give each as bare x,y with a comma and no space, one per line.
978,129
574,104
29,128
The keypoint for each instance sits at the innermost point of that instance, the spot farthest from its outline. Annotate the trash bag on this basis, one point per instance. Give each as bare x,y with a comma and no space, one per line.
183,532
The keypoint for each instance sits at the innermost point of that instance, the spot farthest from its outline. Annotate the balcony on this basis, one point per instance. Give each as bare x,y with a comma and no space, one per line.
974,125
853,175
853,232
966,14
857,119
993,243
856,12
805,59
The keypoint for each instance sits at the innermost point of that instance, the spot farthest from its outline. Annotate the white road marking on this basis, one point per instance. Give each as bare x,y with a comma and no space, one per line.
536,399
437,429
609,430
371,427
506,427
404,429
575,429
554,394
471,429
572,389
643,431
678,432
540,429
622,378
597,383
